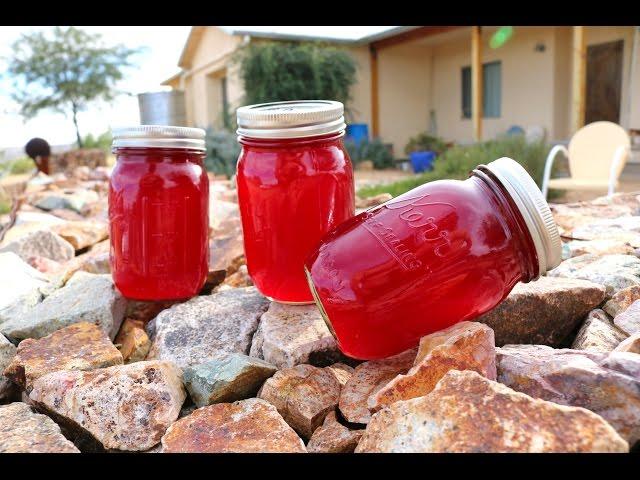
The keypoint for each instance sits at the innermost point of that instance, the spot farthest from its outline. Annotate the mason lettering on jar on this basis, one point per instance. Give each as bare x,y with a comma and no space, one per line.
444,252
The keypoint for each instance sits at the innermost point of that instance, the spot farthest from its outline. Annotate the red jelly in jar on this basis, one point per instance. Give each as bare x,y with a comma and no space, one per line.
295,183
159,212
444,252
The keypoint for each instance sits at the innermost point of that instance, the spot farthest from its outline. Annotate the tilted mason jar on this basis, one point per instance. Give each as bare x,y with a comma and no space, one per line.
159,212
444,252
295,183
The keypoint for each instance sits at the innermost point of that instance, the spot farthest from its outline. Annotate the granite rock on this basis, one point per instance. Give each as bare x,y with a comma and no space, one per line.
246,426
82,234
545,311
230,377
468,413
8,390
206,327
333,437
631,344
124,407
622,300
598,333
72,199
17,280
629,320
342,372
621,229
597,247
132,341
41,243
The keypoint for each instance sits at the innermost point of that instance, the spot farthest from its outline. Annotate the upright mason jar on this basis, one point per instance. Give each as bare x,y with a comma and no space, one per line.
159,212
295,183
444,252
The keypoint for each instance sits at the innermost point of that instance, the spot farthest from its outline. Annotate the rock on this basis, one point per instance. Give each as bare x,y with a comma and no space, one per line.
24,431
598,333
125,407
545,311
132,341
45,265
246,426
367,379
333,437
224,217
569,216
81,346
41,243
230,377
373,201
622,300
467,413
629,320
598,247
604,383
622,229
290,335
224,249
303,395
206,327
240,278
342,372
65,214
631,344
615,272
17,279
145,311
82,234
8,390
72,199
464,346
85,297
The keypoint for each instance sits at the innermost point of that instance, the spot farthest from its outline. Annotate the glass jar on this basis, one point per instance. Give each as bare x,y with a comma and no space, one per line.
159,212
295,183
444,252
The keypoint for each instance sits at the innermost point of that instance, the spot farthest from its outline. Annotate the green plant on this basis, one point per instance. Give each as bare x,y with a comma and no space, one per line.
102,141
457,162
222,152
20,165
373,150
279,71
423,142
65,72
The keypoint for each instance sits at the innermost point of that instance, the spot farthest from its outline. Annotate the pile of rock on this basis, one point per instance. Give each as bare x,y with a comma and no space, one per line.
554,368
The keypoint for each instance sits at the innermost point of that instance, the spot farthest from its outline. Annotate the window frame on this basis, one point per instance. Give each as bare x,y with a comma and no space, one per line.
463,81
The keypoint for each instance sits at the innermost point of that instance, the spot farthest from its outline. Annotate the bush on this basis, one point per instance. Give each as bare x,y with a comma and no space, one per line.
457,162
102,141
373,150
17,166
222,152
423,142
279,71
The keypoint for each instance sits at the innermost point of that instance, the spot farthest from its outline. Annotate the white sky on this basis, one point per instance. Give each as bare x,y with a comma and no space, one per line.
157,63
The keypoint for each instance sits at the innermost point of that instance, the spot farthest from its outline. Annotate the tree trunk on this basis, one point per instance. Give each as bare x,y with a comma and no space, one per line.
74,109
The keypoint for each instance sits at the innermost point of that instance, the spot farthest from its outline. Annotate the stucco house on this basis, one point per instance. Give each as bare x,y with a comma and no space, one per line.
453,81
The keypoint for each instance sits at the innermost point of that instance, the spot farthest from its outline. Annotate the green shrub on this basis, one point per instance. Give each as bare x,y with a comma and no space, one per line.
5,206
102,141
16,167
423,142
373,150
222,152
457,162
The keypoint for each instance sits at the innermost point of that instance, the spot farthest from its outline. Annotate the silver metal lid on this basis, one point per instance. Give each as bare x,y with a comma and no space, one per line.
533,208
158,136
294,119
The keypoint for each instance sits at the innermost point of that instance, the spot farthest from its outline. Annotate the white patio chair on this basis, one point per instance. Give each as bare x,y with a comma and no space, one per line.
597,154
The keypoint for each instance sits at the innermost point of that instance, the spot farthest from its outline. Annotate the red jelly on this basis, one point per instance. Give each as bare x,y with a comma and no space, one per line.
159,212
295,183
444,252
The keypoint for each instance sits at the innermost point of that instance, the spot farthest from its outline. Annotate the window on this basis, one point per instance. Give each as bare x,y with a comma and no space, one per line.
491,90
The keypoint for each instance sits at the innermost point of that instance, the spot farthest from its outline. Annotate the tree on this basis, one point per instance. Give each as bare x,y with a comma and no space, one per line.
278,71
66,72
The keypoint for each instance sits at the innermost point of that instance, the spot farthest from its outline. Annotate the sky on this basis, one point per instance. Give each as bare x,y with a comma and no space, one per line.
158,62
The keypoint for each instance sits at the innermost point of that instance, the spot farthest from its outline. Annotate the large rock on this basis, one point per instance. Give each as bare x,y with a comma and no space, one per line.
607,384
631,344
24,431
17,280
246,426
599,247
41,243
615,272
569,216
82,234
629,320
622,300
81,346
125,407
72,199
544,311
303,395
8,390
132,341
207,327
598,333
290,335
622,229
367,379
467,413
464,346
230,377
85,297
333,437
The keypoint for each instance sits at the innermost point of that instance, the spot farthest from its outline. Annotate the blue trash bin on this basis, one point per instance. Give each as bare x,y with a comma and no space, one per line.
357,132
422,161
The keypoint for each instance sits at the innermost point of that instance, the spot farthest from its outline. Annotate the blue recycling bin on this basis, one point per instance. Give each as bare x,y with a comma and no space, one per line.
422,161
357,132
